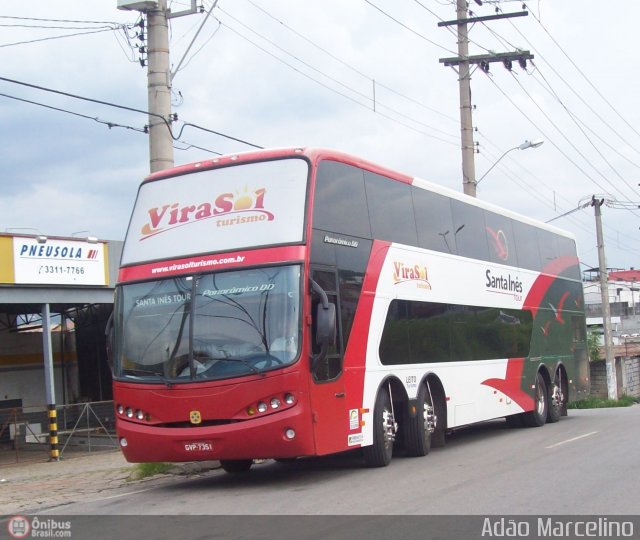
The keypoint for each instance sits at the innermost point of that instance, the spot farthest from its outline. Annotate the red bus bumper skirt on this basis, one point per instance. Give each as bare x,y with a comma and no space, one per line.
263,437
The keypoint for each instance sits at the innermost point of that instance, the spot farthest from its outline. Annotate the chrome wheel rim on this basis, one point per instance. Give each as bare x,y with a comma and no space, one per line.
388,428
540,400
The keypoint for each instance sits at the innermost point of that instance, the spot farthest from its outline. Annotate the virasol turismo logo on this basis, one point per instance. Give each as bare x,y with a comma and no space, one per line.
228,209
24,527
415,273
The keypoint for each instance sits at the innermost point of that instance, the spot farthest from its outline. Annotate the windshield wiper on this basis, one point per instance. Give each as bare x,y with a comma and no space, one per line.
148,372
241,361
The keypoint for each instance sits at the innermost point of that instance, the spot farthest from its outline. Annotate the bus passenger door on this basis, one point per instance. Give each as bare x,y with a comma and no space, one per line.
330,415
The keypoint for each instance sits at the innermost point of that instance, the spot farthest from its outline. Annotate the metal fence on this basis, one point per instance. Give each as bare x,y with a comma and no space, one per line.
82,427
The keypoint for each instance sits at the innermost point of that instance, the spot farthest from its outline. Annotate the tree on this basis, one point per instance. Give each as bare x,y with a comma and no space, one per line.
593,346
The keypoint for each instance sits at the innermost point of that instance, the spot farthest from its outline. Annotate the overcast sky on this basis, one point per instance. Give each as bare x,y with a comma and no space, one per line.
285,72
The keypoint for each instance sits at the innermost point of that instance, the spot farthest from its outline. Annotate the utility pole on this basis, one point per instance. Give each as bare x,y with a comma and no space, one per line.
159,89
612,381
159,76
466,120
464,62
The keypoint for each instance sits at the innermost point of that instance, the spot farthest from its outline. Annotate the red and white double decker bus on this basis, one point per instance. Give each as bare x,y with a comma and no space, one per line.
302,302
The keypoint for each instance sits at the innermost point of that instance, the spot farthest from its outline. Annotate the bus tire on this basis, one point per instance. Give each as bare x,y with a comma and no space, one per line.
538,416
236,465
556,400
417,433
380,452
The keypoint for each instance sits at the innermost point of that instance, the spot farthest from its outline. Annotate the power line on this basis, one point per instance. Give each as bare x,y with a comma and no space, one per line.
58,20
105,122
350,98
546,135
628,248
57,37
349,66
577,221
43,27
189,146
195,126
193,40
568,140
333,79
534,190
132,109
593,132
96,119
519,181
571,87
408,28
579,123
357,92
83,98
572,116
579,207
187,62
586,78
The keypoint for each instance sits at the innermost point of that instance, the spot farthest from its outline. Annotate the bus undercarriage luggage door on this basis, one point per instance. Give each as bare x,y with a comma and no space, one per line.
330,416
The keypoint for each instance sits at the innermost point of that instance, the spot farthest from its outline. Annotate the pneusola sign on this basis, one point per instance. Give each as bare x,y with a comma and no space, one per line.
48,261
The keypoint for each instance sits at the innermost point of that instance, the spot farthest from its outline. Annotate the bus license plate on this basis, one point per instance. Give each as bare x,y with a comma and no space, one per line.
198,447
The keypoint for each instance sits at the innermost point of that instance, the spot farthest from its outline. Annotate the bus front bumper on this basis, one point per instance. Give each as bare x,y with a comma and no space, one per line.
279,435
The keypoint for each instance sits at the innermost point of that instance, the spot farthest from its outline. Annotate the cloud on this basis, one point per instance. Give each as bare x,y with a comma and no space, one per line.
238,88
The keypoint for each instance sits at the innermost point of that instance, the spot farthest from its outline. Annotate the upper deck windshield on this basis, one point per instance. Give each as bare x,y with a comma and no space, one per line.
240,322
218,210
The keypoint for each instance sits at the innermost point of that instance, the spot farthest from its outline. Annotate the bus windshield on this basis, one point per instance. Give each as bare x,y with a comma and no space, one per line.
239,323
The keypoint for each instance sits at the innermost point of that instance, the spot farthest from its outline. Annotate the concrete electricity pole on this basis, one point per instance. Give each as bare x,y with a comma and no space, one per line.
159,89
612,381
463,61
158,77
466,120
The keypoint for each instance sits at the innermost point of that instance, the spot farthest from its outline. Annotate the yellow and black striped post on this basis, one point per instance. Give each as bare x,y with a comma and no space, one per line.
53,433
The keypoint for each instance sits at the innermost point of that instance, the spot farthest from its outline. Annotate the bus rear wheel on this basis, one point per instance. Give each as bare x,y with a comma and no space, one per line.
538,416
384,430
419,427
236,465
557,399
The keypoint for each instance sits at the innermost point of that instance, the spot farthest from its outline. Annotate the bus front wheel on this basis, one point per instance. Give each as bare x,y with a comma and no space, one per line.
384,429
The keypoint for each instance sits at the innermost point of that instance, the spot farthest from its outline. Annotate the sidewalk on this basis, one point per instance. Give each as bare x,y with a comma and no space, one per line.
28,487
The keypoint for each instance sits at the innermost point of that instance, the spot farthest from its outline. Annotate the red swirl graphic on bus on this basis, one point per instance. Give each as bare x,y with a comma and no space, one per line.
499,243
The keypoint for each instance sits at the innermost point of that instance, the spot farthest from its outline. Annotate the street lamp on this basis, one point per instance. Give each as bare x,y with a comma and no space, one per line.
526,144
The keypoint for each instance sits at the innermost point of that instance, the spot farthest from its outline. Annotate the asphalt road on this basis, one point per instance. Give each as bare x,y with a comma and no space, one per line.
588,464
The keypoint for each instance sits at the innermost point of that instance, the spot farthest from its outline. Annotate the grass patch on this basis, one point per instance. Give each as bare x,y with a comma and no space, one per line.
144,470
597,403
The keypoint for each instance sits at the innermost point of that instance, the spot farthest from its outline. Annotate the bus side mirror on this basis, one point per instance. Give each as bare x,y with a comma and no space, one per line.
326,329
326,325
